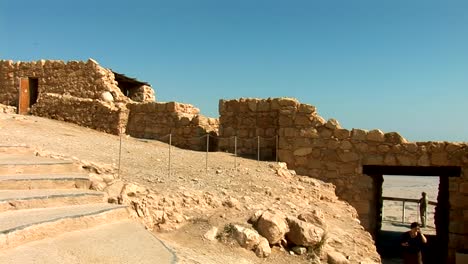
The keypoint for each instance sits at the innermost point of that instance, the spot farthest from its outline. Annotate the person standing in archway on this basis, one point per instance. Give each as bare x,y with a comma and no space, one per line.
412,243
423,202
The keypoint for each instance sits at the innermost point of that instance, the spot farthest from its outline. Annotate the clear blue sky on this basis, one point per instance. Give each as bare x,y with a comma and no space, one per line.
396,65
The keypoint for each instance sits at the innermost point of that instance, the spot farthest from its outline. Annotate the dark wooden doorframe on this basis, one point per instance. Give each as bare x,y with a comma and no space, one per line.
23,98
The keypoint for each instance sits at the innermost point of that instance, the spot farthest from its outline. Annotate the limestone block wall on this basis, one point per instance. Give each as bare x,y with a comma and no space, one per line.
83,93
74,78
143,93
96,114
154,120
324,150
249,118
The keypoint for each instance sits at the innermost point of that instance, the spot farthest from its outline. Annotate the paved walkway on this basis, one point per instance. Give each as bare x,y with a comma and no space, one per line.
122,242
115,239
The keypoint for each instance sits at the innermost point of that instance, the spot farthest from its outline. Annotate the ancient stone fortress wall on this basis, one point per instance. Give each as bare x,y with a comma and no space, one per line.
354,160
187,127
79,92
247,119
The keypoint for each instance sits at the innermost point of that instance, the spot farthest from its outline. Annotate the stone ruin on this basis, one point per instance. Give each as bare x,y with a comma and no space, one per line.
157,120
354,160
90,95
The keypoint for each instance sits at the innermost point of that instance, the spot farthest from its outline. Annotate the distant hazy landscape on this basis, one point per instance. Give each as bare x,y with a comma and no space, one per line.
402,186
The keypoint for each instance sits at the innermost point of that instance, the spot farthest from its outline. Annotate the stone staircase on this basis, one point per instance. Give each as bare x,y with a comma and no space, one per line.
42,198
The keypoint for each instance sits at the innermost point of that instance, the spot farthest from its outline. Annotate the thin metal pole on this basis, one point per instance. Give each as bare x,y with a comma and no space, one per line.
417,214
235,153
170,143
120,151
207,149
258,148
403,216
383,213
277,147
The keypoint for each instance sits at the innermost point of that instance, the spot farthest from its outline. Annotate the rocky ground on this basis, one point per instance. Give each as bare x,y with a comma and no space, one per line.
200,192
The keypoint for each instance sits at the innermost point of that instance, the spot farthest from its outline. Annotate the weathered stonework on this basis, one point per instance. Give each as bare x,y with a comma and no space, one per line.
79,92
103,116
248,119
90,95
6,109
324,150
187,127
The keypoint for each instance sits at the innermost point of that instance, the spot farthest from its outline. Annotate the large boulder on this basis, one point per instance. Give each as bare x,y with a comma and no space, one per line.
272,226
302,233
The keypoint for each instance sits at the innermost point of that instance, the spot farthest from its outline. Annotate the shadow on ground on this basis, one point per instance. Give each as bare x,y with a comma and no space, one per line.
388,246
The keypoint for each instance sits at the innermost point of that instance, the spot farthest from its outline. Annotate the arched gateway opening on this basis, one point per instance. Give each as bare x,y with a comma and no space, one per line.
387,241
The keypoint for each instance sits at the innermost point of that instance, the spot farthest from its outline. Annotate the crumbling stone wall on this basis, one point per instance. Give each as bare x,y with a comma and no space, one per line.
157,120
247,119
324,150
74,78
83,93
143,93
103,116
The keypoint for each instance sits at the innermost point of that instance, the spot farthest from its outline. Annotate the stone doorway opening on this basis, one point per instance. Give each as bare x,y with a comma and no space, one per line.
33,90
387,241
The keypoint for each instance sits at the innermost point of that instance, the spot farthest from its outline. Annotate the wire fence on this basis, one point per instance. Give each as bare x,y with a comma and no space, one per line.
265,148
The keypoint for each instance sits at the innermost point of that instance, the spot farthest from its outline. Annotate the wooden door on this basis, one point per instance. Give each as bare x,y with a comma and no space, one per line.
24,96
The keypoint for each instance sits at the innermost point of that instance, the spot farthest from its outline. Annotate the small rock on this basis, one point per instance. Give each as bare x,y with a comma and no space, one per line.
299,250
247,238
302,233
263,249
254,218
231,202
334,257
211,234
314,216
107,97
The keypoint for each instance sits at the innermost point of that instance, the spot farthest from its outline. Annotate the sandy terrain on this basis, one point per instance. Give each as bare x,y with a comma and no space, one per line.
408,187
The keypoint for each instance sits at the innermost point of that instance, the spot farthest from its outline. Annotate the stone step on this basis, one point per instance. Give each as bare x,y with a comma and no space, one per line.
44,181
16,149
28,199
14,164
22,226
